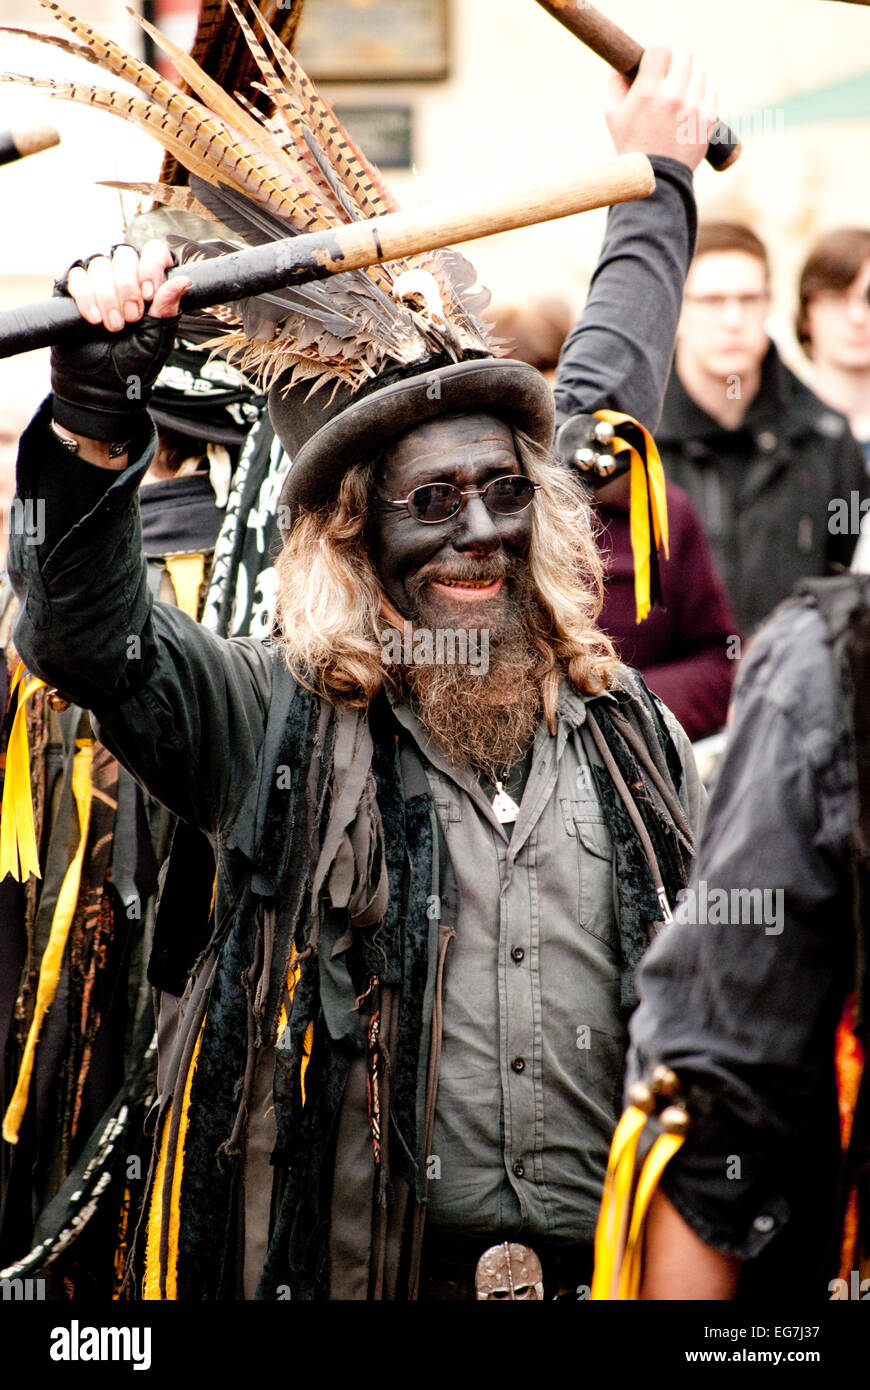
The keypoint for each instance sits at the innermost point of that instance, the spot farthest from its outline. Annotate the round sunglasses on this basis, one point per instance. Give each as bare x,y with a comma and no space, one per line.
434,502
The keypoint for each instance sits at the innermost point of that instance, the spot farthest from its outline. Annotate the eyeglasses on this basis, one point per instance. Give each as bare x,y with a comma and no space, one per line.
434,502
715,303
840,300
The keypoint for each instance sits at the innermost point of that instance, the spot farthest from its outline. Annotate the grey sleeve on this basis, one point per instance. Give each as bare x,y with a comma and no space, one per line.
741,994
171,699
618,357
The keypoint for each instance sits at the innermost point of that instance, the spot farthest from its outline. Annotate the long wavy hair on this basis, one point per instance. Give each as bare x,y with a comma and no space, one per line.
328,611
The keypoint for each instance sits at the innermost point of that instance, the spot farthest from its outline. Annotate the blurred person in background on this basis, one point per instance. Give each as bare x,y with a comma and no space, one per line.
833,328
8,447
13,418
761,457
534,332
95,1063
683,649
833,325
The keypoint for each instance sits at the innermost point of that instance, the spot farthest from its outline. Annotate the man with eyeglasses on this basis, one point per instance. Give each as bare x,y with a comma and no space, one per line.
434,881
771,469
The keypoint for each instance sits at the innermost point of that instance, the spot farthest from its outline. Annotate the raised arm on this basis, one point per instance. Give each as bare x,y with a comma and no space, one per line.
168,696
619,355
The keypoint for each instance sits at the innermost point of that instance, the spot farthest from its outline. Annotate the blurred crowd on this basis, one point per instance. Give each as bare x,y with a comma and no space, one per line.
767,473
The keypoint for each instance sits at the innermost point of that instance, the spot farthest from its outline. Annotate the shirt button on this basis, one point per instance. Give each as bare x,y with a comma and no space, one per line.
519,1064
518,954
519,1170
767,441
764,1224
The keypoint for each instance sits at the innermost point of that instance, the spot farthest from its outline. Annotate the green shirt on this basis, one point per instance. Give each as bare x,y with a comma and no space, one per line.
534,1036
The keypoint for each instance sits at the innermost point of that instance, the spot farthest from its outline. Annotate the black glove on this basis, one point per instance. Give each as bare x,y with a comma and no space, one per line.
102,384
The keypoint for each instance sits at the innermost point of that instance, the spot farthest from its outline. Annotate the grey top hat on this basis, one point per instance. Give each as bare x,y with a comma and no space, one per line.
324,442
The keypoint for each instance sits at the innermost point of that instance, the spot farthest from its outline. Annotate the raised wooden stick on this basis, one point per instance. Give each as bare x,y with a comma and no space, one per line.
623,53
296,260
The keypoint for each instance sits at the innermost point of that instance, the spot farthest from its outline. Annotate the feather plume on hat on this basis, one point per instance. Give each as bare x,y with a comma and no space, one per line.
266,175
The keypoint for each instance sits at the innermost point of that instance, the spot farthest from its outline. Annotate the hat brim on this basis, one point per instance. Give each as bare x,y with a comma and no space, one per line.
233,436
512,391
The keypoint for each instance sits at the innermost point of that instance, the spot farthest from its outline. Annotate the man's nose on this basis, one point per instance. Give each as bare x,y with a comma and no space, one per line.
476,529
732,311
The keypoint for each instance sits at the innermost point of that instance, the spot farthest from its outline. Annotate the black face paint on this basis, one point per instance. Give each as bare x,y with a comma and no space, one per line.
419,564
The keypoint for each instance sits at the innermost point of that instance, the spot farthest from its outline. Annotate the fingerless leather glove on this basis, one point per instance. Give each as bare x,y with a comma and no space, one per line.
102,384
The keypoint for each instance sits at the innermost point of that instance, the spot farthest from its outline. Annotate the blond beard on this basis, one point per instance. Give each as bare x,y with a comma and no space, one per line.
485,722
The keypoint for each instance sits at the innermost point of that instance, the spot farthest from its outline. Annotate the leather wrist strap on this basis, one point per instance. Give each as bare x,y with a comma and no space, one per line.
72,445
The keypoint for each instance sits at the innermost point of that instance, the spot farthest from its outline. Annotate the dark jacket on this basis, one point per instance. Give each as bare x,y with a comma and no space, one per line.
764,491
685,650
742,996
213,726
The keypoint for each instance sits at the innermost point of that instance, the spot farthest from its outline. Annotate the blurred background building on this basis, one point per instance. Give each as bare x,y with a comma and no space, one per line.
460,96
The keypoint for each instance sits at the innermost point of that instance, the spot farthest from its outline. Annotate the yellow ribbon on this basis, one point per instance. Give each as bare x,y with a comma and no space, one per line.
293,972
156,1215
307,1045
187,573
618,1259
49,970
613,1217
18,851
648,505
659,1156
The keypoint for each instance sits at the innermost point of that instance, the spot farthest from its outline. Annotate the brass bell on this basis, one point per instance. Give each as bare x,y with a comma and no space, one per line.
640,1096
664,1081
57,701
605,465
674,1120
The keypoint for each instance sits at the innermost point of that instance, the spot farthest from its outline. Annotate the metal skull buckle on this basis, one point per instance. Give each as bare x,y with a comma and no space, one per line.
509,1271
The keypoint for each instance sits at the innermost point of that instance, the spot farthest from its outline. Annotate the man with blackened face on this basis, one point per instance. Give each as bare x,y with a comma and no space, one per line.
403,1041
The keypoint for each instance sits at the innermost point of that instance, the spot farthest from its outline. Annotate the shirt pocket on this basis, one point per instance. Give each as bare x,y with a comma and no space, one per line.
595,874
448,809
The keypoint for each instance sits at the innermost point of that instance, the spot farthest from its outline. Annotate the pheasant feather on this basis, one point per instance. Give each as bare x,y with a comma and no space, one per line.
212,96
265,175
220,50
371,193
170,195
249,161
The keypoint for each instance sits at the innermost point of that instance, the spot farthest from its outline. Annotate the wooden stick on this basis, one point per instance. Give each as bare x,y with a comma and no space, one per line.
297,260
623,53
17,144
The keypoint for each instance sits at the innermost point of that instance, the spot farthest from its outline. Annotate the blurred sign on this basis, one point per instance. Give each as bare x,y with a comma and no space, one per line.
374,40
384,132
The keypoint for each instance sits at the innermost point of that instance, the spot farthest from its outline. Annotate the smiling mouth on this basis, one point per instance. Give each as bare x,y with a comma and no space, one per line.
468,588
